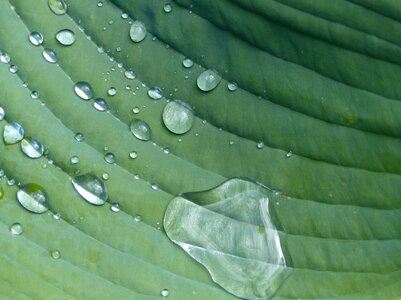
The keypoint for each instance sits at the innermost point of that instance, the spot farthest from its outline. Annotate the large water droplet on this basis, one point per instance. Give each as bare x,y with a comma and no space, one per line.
65,37
155,93
187,63
100,104
91,188
13,133
84,90
140,129
33,198
129,74
167,7
138,31
36,38
110,158
208,80
2,113
178,117
16,229
50,55
165,293
32,147
4,57
59,7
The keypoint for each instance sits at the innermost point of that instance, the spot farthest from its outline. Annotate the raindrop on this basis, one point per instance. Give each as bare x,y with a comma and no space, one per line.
178,117
155,93
166,150
110,158
124,16
232,86
65,37
167,7
49,55
16,229
34,94
84,90
13,69
55,254
136,110
2,113
138,31
187,63
112,91
129,74
133,154
13,133
140,129
79,137
137,218
155,186
260,145
56,216
165,293
115,207
36,38
59,7
33,198
91,188
288,154
208,80
74,159
32,147
100,104
4,57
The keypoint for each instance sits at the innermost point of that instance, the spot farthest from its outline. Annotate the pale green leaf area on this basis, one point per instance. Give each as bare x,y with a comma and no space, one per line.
308,105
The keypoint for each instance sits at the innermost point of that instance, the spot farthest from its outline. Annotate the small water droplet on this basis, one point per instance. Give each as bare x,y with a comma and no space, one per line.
155,93
55,254
34,94
24,84
166,150
79,137
84,90
140,129
91,188
112,91
74,159
231,143
115,207
36,38
65,37
11,182
260,145
13,69
105,176
187,63
100,104
16,229
165,293
32,147
49,55
178,117
110,158
4,57
167,8
136,110
124,16
13,133
129,74
232,86
59,7
208,80
2,113
99,4
137,218
136,176
33,198
155,186
56,216
288,154
138,31
133,154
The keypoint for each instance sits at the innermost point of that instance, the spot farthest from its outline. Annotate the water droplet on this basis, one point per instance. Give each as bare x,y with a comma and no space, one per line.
124,16
13,133
91,188
16,229
165,293
34,94
178,117
133,154
56,216
136,110
59,7
99,4
155,186
11,182
260,145
24,84
33,198
138,31
112,91
79,137
136,176
137,218
32,147
2,113
232,86
55,254
288,154
13,69
65,37
208,80
140,129
49,55
74,159
155,93
110,158
166,150
36,38
187,63
115,207
167,7
129,74
4,57
84,90
231,143
100,104
105,176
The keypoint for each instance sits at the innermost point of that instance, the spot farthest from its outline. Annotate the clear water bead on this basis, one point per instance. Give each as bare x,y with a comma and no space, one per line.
32,147
110,158
187,63
232,86
133,154
4,57
136,110
100,104
91,188
34,94
165,293
55,254
2,113
33,198
56,216
155,93
65,37
49,55
167,8
178,117
36,38
289,154
74,159
260,145
84,90
129,74
137,218
79,137
140,129
13,133
115,207
208,80
124,16
16,229
112,91
166,150
154,186
13,69
137,31
59,7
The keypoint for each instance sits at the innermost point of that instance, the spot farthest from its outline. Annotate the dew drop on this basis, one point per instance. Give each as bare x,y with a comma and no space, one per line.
100,104
208,80
115,207
140,129
49,55
11,182
99,4
137,218
129,74
138,31
124,16
232,86
155,93
136,110
55,254
13,133
59,7
13,69
84,90
289,154
4,58
166,150
187,63
91,188
65,37
16,229
32,147
36,38
154,186
110,158
178,117
33,198
133,154
167,8
79,137
136,176
165,293
34,94
74,159
260,145
2,113
105,176
112,91
56,216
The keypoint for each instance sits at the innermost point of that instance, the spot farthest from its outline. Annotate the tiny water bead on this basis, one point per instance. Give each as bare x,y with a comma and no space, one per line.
154,186
105,176
137,31
289,154
2,113
99,4
112,91
155,93
110,158
133,154
34,94
36,38
124,16
56,216
187,63
13,69
32,147
59,7
260,145
91,188
129,74
55,254
115,207
178,117
140,129
166,150
13,133
16,229
84,90
167,8
232,86
137,218
208,80
33,198
5,57
79,137
100,104
49,55
65,37
164,293
136,110
74,159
